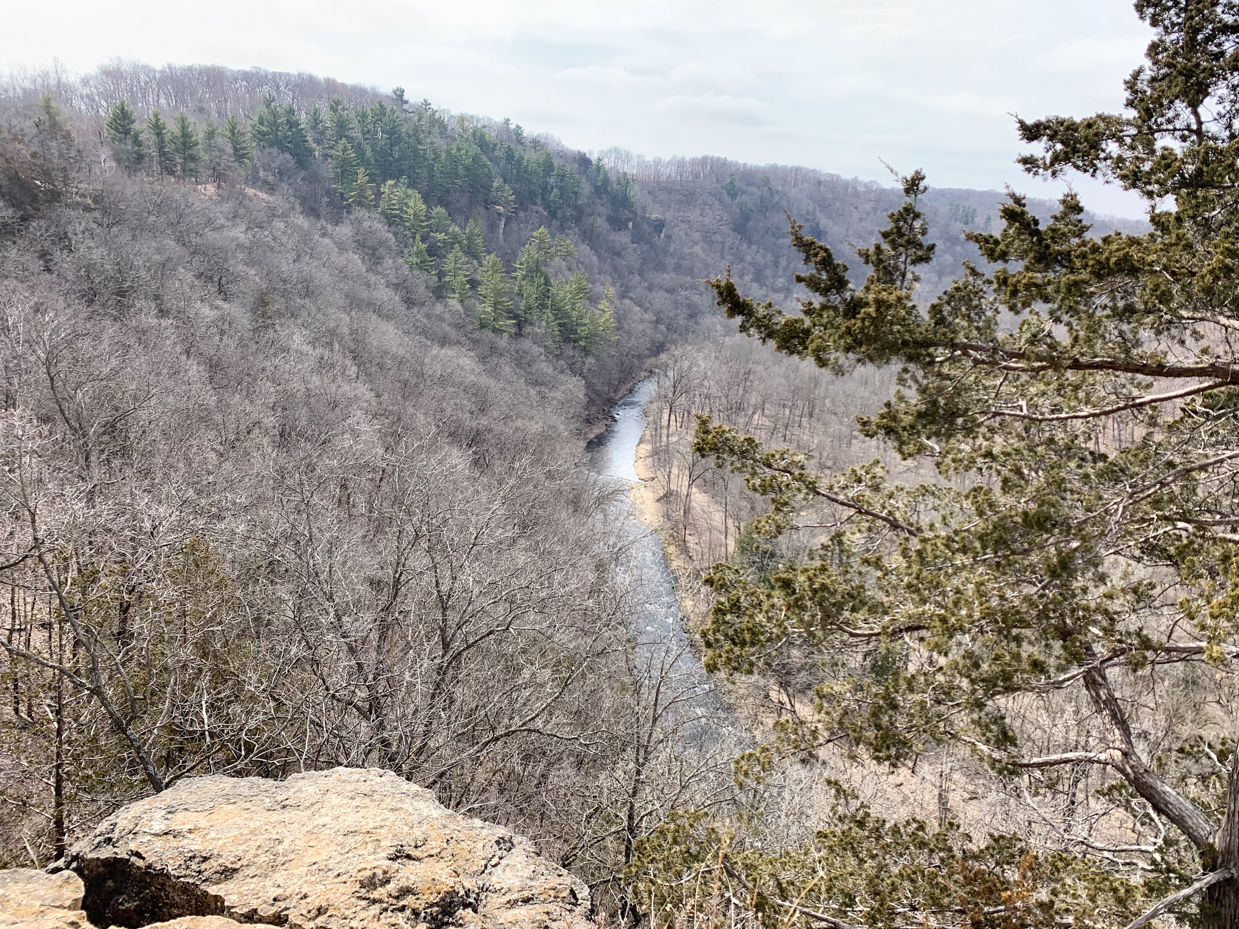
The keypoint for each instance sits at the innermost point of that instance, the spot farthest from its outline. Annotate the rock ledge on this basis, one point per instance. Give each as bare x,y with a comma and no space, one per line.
329,850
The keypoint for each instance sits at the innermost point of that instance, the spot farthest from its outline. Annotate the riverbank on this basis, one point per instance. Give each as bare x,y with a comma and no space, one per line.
648,511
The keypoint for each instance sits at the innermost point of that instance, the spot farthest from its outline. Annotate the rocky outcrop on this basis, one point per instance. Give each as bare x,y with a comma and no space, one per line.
37,900
329,850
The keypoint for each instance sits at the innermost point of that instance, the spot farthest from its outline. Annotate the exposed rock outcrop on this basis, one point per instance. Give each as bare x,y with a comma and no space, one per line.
329,850
37,900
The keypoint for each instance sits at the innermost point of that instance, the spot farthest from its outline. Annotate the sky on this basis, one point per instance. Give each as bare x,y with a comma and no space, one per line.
839,85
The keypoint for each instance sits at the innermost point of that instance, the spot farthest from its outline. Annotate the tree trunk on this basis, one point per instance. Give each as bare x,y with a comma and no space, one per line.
1220,906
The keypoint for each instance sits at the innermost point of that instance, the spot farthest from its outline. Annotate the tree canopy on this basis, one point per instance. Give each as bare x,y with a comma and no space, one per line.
1077,397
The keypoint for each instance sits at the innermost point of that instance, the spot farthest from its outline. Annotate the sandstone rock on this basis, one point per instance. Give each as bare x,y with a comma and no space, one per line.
197,922
339,849
38,900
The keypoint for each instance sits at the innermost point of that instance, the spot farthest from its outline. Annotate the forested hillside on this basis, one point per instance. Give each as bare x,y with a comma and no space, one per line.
297,381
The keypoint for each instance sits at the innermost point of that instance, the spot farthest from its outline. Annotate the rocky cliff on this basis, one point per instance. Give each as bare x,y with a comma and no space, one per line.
329,850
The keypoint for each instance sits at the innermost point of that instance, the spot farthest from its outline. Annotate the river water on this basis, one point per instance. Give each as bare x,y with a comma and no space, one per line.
664,658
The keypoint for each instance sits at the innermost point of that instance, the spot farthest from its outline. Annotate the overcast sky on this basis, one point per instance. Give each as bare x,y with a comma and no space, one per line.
839,85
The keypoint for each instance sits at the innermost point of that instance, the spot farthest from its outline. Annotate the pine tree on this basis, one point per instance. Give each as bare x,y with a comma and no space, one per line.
444,234
597,330
344,168
316,127
360,194
502,198
265,130
475,244
185,147
238,137
456,276
338,124
495,296
125,137
392,196
533,288
542,245
294,140
161,144
120,124
563,247
279,127
1046,564
418,257
567,311
216,154
414,216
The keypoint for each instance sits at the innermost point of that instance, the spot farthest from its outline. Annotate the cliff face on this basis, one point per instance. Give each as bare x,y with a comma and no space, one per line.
328,850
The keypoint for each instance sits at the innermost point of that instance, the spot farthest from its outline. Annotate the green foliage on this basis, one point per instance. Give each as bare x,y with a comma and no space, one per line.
418,257
279,127
533,285
238,137
559,306
359,195
403,206
161,144
860,870
495,296
185,146
1078,405
964,215
474,243
124,136
344,168
457,276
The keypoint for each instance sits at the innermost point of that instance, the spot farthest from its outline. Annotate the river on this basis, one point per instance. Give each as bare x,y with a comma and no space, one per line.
664,658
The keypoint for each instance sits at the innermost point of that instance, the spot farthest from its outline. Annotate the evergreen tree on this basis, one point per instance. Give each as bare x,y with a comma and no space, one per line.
344,168
1048,565
495,296
121,124
265,130
53,140
456,276
216,153
563,247
360,194
316,128
238,137
475,244
533,287
502,198
418,257
294,140
161,144
125,137
414,215
185,147
392,197
593,232
444,234
597,329
541,243
338,124
279,127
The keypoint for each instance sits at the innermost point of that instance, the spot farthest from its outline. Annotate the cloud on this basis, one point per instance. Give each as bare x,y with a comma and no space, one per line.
717,108
835,84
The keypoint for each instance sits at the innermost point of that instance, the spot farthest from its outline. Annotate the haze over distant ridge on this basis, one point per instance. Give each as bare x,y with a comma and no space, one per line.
839,86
